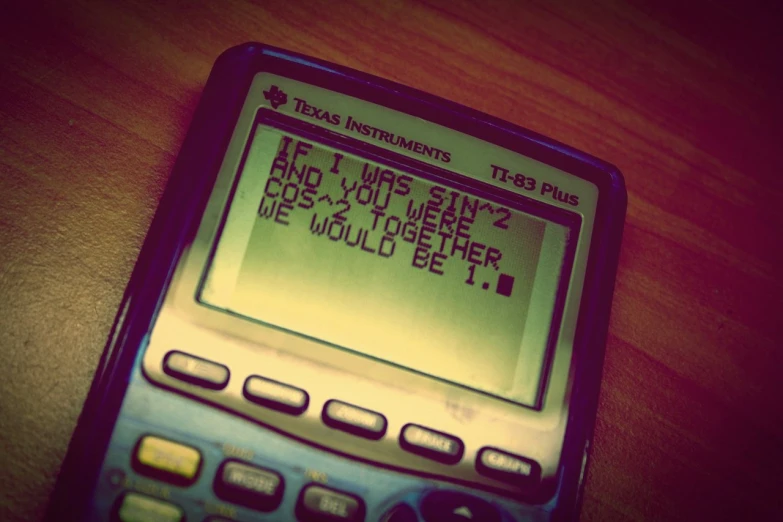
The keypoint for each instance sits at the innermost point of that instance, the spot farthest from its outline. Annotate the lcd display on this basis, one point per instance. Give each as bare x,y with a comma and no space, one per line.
389,264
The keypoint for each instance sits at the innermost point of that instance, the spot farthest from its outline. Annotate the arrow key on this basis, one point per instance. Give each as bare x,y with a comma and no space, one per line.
452,506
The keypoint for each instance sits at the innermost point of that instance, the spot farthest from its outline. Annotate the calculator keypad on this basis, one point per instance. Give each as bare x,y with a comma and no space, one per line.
242,484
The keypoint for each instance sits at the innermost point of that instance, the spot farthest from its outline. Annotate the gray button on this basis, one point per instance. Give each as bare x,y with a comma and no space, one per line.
355,420
252,486
432,444
508,467
195,370
276,395
317,503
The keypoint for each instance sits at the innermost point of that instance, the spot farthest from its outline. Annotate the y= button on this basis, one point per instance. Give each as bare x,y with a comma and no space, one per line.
195,370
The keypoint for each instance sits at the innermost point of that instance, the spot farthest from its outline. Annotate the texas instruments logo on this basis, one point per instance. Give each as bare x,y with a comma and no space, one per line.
276,96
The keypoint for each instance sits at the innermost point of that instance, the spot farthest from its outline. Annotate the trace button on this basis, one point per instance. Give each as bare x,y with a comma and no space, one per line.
355,420
507,467
431,444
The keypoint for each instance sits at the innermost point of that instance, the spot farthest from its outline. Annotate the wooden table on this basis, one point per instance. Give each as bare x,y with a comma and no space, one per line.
95,98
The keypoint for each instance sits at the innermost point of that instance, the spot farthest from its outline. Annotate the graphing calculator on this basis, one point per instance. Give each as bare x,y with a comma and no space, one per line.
356,302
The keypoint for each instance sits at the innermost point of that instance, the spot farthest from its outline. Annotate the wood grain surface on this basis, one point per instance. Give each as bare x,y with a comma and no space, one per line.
684,97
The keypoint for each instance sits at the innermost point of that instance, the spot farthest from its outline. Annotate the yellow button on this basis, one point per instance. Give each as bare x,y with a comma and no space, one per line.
141,508
169,457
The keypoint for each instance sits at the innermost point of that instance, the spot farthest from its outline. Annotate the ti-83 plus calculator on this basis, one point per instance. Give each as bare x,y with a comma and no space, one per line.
357,302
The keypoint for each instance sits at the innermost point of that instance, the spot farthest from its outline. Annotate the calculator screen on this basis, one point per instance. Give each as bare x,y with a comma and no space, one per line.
391,265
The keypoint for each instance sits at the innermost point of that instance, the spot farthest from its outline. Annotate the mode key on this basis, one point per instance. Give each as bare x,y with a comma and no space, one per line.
319,504
248,485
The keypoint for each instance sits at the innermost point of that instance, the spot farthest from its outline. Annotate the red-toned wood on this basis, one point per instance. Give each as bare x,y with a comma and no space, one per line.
684,97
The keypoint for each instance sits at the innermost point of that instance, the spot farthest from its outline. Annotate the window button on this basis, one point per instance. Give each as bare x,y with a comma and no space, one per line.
354,420
195,370
166,460
276,395
510,468
248,485
432,444
320,504
134,507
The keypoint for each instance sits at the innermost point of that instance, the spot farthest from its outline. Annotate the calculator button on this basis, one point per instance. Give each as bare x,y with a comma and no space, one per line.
355,420
320,504
196,370
431,444
251,486
134,507
276,395
167,460
507,467
451,506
